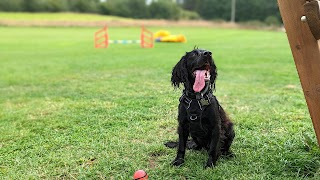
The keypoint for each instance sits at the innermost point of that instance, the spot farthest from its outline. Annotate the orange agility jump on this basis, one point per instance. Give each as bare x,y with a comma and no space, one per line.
101,39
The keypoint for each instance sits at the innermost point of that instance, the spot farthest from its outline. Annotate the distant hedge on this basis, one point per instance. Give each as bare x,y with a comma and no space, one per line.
124,8
247,10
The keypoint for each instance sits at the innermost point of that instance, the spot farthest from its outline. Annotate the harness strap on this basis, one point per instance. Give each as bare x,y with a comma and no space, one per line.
202,102
203,99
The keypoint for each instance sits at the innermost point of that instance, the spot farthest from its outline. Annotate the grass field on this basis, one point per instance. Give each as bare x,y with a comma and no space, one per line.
69,111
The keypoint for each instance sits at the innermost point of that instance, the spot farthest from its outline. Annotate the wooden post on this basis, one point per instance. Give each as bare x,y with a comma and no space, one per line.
306,56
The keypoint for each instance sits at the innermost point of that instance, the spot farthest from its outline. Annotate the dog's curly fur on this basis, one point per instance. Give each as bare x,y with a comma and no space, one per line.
207,124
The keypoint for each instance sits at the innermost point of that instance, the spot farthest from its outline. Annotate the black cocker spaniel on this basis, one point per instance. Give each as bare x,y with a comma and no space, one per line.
200,114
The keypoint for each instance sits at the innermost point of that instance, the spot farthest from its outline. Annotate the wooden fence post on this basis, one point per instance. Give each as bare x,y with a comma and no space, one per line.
306,55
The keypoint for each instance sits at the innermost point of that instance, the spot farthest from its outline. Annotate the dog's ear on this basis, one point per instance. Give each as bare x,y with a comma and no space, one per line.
179,73
213,73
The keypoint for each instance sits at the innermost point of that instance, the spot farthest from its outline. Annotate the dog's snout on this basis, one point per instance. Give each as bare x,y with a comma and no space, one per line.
207,53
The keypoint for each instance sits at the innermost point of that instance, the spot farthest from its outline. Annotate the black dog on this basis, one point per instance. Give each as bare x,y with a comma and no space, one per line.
200,114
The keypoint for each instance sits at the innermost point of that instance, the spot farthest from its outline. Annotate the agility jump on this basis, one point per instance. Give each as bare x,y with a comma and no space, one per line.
303,39
101,39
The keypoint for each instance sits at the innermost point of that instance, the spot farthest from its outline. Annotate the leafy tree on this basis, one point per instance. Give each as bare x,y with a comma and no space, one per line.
215,9
104,8
118,7
191,5
246,10
138,9
11,5
33,5
83,6
56,5
256,9
164,10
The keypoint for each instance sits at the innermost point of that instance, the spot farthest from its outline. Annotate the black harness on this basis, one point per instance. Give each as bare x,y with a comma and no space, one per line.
203,99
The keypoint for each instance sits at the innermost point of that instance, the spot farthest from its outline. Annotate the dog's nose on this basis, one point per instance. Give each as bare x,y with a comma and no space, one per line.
207,53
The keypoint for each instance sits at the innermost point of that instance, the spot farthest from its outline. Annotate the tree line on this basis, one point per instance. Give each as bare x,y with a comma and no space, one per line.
246,10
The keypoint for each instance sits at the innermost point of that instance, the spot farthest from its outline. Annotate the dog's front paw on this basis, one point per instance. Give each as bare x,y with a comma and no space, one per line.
177,162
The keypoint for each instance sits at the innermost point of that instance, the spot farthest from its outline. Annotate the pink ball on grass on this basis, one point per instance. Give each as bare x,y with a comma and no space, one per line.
140,175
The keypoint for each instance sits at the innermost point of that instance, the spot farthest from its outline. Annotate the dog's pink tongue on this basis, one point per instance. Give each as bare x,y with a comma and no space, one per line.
199,81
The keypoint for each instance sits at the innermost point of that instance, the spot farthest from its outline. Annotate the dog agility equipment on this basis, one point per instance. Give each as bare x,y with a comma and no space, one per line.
305,49
166,36
312,17
101,39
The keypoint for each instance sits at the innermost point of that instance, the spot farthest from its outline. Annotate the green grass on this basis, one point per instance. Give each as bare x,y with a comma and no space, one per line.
70,111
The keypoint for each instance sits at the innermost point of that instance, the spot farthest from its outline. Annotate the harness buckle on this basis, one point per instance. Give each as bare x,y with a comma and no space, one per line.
193,118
